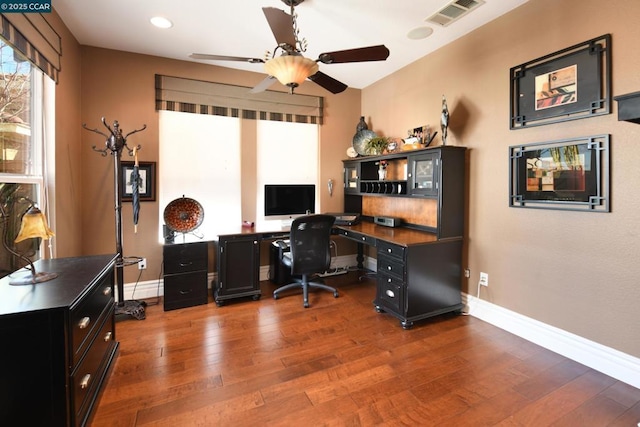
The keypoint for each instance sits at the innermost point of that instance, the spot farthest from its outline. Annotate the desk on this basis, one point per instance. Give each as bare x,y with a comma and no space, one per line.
418,276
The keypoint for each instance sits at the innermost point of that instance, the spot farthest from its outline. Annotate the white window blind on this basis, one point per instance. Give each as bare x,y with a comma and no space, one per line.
287,154
199,158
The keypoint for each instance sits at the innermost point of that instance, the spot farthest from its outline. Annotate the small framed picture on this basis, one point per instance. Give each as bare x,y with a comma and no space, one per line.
146,181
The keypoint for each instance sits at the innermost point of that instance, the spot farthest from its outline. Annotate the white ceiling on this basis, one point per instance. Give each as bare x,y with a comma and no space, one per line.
239,28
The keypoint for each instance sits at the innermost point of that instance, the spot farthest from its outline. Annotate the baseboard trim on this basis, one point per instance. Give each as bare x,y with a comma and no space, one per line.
155,288
609,361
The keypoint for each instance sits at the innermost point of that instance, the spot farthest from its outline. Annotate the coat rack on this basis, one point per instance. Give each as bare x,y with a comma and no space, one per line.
115,143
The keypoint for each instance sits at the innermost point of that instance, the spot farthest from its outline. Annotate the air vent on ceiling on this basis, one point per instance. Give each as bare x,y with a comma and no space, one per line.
454,11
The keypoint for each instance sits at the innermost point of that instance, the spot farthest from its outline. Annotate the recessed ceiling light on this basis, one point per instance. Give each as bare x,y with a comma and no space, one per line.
161,22
420,33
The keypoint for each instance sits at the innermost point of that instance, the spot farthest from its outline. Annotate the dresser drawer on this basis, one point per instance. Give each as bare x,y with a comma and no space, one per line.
391,266
185,290
390,294
391,250
89,374
358,237
182,258
84,317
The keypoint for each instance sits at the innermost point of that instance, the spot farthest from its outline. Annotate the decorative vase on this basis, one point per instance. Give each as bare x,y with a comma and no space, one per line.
362,125
382,174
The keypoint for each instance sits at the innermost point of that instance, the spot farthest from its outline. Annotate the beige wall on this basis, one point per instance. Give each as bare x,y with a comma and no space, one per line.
572,270
577,271
120,86
66,197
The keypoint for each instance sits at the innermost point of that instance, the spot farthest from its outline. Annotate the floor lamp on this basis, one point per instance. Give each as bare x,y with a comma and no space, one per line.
115,143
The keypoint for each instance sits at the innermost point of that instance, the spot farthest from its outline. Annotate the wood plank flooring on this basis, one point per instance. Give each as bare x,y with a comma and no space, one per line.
339,363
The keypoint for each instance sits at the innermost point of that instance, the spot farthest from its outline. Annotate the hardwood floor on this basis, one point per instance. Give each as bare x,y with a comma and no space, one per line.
274,363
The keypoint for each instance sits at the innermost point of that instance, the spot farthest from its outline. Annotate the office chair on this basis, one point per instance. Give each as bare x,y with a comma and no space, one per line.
309,255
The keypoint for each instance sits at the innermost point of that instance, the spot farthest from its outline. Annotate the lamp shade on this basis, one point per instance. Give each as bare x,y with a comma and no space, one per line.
34,224
291,70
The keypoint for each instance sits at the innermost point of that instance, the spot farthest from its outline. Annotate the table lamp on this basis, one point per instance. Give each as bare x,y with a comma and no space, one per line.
33,225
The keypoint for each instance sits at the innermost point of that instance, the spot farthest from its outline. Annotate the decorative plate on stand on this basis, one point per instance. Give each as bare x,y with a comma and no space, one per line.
360,140
183,215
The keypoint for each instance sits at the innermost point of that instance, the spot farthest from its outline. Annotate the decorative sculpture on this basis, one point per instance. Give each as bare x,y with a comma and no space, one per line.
444,120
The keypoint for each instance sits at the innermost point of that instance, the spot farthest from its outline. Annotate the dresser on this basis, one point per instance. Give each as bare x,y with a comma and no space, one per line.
58,342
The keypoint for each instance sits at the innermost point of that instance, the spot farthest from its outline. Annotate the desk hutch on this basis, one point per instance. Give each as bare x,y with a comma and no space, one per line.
419,265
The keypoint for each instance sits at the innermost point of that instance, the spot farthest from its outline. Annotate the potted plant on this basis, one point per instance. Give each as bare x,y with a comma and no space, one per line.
377,145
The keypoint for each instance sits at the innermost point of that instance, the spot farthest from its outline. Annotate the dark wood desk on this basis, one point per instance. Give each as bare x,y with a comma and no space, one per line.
419,275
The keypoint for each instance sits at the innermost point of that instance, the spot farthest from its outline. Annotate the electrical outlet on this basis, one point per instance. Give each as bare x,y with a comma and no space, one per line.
484,279
467,273
142,264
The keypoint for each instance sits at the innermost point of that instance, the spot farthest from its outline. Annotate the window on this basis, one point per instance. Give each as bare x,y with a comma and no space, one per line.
287,154
199,158
22,88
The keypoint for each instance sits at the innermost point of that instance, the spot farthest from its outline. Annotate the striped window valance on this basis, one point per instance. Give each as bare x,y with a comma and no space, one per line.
35,38
201,97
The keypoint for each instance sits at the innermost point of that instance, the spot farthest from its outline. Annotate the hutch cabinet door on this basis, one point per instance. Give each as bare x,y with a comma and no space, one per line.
423,175
351,177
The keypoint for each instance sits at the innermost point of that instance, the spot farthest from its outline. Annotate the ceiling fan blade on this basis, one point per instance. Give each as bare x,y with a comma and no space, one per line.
224,58
263,85
327,82
281,24
363,54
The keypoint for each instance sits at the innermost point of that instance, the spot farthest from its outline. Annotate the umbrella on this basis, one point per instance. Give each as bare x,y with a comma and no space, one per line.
135,191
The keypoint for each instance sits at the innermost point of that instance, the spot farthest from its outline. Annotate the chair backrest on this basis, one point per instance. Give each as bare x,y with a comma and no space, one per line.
310,241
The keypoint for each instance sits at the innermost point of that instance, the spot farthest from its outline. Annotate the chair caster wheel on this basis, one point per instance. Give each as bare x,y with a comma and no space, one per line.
256,297
219,303
275,296
335,294
306,305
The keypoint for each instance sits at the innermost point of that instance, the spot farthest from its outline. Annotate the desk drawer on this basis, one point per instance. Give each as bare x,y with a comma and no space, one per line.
390,294
391,250
391,266
185,290
181,258
84,317
358,237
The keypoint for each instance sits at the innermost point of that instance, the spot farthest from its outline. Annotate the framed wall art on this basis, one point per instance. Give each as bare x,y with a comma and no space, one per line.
570,84
146,185
568,174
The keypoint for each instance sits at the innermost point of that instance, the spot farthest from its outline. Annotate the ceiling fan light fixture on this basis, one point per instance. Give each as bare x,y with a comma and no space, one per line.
291,70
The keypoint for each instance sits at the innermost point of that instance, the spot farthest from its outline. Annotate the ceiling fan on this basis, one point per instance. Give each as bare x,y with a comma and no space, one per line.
291,67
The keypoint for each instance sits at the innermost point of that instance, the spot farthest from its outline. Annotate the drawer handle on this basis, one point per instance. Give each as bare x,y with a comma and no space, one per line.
107,336
185,264
106,291
84,382
84,322
390,293
186,292
389,250
389,267
363,239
